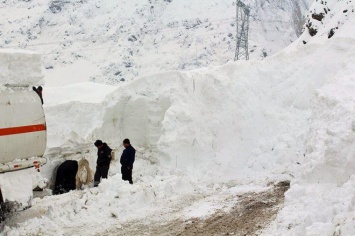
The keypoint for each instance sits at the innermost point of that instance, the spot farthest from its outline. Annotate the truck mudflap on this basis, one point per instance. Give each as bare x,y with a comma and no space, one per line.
20,165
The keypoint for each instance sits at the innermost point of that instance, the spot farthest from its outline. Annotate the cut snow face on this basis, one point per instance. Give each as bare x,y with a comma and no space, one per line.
244,115
20,67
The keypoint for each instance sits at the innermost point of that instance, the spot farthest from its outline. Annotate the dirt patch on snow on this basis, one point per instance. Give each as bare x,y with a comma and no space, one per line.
252,213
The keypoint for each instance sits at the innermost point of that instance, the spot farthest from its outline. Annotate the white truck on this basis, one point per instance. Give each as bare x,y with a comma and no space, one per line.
23,135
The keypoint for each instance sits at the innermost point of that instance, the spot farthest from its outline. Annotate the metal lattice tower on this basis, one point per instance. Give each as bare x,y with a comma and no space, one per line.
242,17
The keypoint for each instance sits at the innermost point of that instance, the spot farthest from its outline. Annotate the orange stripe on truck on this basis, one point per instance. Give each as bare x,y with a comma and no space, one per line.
22,129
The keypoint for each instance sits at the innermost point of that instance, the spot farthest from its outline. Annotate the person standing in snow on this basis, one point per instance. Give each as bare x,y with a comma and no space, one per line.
39,92
103,161
127,160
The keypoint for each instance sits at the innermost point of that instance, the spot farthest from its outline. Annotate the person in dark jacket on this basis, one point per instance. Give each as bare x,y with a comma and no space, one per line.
103,161
65,177
39,92
127,160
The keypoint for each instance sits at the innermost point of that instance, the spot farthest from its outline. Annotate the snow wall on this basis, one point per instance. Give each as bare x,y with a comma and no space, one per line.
244,115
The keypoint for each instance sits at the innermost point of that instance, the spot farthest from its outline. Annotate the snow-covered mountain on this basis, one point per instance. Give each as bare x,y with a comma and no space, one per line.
110,41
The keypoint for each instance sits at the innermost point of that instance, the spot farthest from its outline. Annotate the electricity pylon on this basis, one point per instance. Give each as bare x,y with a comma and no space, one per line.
242,18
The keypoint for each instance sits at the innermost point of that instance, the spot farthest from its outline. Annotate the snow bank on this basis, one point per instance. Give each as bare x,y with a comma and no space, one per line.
19,67
321,200
258,121
158,194
244,115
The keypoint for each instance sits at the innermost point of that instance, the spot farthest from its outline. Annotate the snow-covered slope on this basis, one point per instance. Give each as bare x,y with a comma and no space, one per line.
321,200
109,41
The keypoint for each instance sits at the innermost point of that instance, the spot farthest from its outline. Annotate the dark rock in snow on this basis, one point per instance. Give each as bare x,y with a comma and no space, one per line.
312,31
127,64
132,38
331,33
318,17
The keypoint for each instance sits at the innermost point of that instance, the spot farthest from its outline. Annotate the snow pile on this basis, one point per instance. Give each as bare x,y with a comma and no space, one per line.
157,196
321,200
112,200
113,41
19,67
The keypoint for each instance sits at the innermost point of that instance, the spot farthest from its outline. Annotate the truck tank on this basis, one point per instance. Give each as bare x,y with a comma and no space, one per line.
22,125
22,129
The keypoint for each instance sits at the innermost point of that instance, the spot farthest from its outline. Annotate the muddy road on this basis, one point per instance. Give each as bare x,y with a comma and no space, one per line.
252,213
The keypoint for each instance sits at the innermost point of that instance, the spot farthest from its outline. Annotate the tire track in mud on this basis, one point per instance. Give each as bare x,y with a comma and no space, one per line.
252,213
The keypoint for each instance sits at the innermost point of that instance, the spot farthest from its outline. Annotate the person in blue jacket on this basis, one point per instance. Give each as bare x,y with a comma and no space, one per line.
127,160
